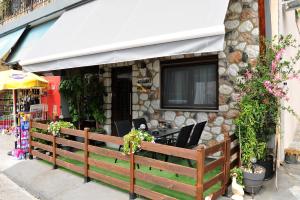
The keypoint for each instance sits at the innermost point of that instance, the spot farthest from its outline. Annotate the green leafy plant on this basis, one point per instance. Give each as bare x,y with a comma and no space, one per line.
239,174
94,92
135,138
262,89
84,95
72,89
54,127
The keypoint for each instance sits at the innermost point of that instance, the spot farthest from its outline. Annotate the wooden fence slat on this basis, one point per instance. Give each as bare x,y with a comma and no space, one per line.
41,146
108,153
151,194
166,183
70,166
200,173
213,149
70,143
42,136
73,132
42,156
69,154
213,181
109,180
169,150
54,151
132,194
86,155
105,138
110,167
39,125
212,165
170,167
226,177
217,193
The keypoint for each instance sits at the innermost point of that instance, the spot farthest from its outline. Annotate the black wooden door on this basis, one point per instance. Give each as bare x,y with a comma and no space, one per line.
121,95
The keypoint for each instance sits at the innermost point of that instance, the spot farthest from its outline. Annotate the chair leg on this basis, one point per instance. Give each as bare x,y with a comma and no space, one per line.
118,150
166,158
190,162
154,156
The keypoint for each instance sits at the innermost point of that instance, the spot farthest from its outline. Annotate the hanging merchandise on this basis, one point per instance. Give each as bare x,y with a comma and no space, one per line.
6,111
22,136
26,98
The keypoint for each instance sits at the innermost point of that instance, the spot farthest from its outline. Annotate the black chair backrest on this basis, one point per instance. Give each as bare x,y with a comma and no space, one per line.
196,135
123,127
184,136
137,123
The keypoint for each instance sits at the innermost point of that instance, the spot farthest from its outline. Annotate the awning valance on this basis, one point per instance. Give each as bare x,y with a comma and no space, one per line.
111,31
7,42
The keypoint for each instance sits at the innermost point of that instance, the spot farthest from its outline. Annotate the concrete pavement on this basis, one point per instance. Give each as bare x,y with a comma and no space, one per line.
47,184
8,189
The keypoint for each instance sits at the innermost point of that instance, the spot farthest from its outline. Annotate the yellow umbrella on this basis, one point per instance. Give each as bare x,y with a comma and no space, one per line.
15,79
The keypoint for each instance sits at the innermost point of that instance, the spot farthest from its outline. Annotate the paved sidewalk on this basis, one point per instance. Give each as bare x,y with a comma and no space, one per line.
45,183
8,189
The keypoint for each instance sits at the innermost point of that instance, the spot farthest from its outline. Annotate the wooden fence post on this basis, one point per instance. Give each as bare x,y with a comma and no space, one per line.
54,151
132,195
30,140
227,162
200,172
86,155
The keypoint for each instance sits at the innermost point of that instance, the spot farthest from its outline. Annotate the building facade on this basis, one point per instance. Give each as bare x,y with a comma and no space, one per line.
181,89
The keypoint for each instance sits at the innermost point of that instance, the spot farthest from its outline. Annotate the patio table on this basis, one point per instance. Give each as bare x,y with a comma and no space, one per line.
163,133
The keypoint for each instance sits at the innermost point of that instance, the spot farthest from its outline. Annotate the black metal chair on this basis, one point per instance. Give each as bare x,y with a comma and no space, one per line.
137,123
123,127
182,138
195,137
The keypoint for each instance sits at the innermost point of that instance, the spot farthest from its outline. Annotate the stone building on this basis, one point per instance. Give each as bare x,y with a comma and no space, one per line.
241,47
181,77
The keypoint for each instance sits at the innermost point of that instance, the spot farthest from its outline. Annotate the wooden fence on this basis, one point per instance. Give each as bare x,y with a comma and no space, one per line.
225,162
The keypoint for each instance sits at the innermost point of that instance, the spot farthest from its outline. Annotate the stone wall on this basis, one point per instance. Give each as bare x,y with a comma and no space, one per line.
241,48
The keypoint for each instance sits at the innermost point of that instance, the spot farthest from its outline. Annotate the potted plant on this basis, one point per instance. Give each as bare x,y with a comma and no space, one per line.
55,127
252,149
135,138
262,90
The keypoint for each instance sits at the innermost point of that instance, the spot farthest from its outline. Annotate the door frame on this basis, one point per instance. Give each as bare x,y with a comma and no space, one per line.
114,73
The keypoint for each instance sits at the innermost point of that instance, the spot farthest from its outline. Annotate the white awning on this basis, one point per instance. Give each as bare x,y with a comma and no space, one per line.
111,31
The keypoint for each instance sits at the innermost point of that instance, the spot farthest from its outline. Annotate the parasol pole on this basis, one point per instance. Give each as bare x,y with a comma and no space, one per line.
14,106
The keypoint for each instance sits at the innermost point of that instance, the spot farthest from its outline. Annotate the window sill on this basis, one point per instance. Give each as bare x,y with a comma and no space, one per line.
187,110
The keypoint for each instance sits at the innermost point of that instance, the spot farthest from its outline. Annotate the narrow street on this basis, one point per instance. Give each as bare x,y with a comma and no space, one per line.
8,189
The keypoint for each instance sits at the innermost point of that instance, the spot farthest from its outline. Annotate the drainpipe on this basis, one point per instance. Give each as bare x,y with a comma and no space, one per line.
262,25
282,113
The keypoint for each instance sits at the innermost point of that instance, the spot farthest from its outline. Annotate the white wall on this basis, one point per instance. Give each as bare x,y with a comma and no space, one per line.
284,22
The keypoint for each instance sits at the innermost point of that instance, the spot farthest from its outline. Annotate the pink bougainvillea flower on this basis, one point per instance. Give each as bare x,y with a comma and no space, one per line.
273,66
279,55
277,77
248,75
